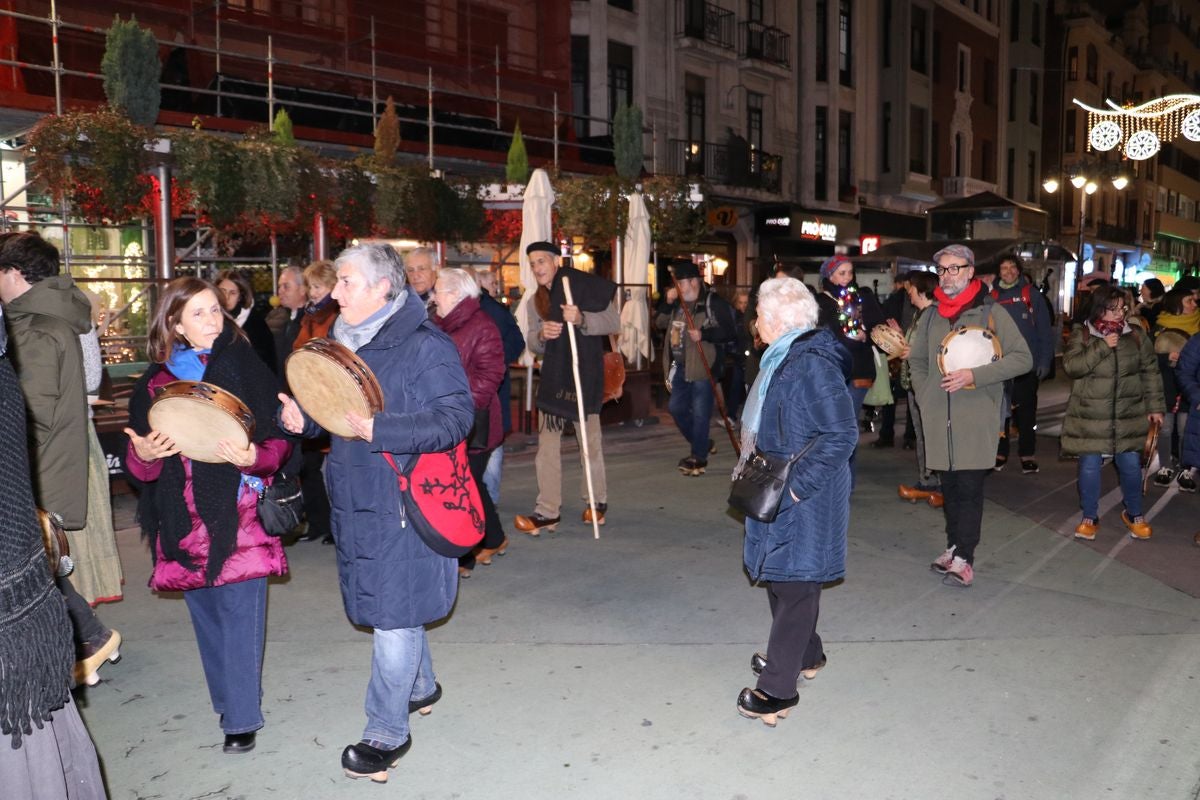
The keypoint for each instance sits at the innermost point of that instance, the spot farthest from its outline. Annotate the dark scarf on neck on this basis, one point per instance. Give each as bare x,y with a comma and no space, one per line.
35,635
556,392
234,367
951,307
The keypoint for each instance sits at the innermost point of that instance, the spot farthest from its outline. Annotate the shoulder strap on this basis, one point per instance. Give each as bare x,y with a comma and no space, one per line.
1027,296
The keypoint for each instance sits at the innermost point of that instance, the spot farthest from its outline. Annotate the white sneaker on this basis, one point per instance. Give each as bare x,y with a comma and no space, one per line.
942,563
1163,477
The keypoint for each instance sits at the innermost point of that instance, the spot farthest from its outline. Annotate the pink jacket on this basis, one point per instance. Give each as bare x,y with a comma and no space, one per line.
257,554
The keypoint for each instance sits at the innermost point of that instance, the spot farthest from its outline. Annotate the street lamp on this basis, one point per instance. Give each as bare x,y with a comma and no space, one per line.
1087,186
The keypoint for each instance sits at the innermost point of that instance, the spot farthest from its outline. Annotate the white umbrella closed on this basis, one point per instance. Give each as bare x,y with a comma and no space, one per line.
635,315
536,226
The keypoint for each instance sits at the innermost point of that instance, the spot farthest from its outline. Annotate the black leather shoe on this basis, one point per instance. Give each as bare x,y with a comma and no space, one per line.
757,704
239,742
364,761
758,662
327,539
425,705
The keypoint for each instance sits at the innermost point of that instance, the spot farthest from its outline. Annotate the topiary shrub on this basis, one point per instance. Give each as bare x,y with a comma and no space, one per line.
131,71
517,168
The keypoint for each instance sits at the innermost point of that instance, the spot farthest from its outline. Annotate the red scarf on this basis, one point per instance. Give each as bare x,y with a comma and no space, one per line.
1105,327
951,307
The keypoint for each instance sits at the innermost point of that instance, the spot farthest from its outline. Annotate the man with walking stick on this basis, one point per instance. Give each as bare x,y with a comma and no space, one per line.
960,409
698,329
592,309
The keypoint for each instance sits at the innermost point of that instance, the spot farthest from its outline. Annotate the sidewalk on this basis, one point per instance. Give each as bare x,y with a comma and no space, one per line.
609,669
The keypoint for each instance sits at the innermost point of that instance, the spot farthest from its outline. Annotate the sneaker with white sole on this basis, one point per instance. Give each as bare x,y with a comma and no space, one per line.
960,572
1163,478
1187,481
942,563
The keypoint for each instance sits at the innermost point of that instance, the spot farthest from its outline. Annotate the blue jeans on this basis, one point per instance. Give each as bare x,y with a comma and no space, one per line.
1129,467
491,474
230,625
691,407
857,395
401,670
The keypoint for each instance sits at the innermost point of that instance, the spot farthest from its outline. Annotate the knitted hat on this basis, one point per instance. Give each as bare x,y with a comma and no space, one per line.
831,264
956,251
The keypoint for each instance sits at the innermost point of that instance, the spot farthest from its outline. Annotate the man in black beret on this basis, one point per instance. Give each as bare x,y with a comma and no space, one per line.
594,313
713,328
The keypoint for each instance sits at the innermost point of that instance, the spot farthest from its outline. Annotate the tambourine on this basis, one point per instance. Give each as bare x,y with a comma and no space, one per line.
58,549
196,415
889,340
1169,340
1149,448
329,381
967,348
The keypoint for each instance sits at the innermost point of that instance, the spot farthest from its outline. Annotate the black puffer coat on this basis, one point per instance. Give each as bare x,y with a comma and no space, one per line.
1114,390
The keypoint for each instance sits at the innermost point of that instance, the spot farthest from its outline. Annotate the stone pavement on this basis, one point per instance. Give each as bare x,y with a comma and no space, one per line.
609,669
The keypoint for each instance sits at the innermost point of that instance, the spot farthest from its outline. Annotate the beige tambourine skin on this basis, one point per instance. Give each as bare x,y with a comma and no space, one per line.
967,347
889,340
329,381
196,415
1169,341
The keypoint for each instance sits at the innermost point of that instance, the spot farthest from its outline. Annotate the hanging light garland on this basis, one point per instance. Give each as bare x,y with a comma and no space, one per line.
1145,128
850,312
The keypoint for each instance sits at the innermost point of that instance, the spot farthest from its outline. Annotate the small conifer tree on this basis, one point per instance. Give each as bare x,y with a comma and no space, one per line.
627,141
131,71
387,135
517,168
283,127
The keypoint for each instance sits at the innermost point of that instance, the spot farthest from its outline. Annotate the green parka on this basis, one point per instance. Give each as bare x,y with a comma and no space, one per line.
44,326
1113,391
969,441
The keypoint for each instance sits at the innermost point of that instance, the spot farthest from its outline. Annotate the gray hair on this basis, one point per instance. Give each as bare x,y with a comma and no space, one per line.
293,268
787,304
434,261
459,282
375,262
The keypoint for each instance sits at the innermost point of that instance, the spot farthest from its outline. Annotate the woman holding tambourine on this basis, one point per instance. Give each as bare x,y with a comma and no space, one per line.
201,518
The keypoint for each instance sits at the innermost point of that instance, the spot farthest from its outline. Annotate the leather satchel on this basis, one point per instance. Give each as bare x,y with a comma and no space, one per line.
280,505
758,490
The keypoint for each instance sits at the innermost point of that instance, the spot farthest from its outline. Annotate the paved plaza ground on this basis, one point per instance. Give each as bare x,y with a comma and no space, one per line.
609,669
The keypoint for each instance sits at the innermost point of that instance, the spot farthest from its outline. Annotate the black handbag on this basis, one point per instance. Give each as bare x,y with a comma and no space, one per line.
477,439
280,505
758,490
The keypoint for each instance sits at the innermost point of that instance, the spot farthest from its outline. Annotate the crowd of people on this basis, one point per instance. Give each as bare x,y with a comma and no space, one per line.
797,363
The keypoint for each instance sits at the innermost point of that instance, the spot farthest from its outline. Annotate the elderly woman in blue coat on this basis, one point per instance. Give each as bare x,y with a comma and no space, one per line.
390,580
800,398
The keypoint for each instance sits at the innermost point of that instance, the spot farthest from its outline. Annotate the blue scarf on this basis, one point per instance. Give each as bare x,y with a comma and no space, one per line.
752,413
185,363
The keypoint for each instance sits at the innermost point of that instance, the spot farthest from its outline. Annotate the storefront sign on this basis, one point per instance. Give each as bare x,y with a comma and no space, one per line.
722,217
868,244
818,231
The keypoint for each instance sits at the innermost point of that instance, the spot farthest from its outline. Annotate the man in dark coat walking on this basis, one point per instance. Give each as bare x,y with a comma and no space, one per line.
390,580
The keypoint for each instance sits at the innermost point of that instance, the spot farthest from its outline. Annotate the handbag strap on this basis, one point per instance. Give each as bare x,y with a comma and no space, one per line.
401,478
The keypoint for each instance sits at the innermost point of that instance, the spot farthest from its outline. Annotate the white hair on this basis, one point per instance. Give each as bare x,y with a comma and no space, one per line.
787,304
434,260
375,262
458,282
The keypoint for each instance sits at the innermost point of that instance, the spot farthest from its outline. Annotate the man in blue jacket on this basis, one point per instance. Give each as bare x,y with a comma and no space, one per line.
390,580
1029,309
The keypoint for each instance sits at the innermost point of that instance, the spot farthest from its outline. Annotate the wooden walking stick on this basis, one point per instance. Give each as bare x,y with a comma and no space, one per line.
581,429
691,326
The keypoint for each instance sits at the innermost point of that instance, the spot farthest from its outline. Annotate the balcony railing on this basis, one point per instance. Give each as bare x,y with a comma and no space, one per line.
766,43
705,21
728,165
1117,233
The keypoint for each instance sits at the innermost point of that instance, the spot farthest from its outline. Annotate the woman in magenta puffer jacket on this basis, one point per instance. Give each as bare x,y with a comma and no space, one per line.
477,339
201,519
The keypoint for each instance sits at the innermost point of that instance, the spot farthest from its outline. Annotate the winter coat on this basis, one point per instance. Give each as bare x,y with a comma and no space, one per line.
1113,391
44,325
862,353
389,578
1187,376
260,336
316,323
807,402
1033,320
713,317
478,343
257,554
969,442
514,345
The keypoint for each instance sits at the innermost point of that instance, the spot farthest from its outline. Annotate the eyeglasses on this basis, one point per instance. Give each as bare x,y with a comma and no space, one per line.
1121,309
953,269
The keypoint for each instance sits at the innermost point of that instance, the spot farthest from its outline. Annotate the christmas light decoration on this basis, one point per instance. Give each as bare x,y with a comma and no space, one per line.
850,312
1143,129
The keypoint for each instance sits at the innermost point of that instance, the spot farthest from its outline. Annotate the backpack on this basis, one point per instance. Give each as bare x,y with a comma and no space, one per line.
439,497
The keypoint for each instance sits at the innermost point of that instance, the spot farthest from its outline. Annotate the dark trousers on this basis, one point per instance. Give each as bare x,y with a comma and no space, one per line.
1024,413
963,491
735,395
316,500
493,532
84,623
230,624
887,418
794,644
691,407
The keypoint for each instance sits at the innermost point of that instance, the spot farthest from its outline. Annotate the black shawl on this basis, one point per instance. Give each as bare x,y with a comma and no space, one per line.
556,391
162,512
35,635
